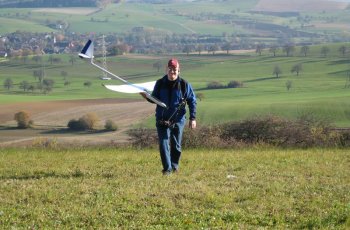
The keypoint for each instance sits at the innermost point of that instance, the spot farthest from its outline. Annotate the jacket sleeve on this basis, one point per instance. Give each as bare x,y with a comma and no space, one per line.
191,101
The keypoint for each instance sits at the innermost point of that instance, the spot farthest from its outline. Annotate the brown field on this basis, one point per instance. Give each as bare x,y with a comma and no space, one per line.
75,10
51,119
298,5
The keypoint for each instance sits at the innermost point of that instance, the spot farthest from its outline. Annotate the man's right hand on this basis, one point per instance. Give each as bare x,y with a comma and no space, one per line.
143,95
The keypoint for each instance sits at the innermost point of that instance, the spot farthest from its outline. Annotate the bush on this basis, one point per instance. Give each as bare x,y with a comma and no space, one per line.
86,122
111,125
215,85
23,120
75,125
307,131
235,84
143,137
304,132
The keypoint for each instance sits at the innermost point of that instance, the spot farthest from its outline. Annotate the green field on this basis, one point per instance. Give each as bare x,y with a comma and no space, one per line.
178,17
215,189
320,89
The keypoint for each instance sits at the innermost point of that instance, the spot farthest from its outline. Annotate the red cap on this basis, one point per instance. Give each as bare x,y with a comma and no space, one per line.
173,63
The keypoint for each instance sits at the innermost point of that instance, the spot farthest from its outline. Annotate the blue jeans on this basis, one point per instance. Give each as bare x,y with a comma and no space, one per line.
170,139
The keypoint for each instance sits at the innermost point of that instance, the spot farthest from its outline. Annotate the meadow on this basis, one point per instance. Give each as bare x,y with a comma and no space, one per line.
321,89
220,189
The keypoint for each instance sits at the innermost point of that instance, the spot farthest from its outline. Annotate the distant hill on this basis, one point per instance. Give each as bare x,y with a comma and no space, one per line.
47,3
299,5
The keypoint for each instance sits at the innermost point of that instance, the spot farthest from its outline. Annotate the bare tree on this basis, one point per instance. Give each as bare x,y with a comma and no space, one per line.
259,48
325,51
199,49
273,49
342,49
277,71
288,49
289,85
157,65
227,46
297,68
304,50
8,83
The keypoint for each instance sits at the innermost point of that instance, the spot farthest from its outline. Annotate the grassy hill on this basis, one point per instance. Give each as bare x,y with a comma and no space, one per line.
197,17
320,89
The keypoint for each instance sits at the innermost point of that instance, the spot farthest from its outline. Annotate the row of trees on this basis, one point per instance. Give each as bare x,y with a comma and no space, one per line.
44,85
297,68
289,49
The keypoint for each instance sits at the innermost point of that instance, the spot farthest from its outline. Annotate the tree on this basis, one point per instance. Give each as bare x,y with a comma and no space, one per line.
304,50
273,49
24,85
64,74
199,49
342,49
325,51
157,65
37,58
277,71
259,48
297,68
187,49
72,59
40,74
288,49
51,59
289,85
213,48
8,83
227,46
47,85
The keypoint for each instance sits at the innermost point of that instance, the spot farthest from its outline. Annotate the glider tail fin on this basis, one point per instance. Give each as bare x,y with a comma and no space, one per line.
88,50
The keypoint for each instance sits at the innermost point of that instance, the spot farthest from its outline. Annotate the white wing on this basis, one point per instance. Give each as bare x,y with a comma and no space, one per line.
137,88
132,88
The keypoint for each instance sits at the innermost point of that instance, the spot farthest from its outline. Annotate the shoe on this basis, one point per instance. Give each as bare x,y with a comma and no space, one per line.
166,172
175,170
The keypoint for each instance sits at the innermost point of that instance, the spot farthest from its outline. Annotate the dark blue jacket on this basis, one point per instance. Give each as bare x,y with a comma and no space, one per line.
172,97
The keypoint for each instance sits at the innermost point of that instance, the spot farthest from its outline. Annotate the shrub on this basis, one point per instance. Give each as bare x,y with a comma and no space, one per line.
307,131
75,125
23,120
89,121
235,84
111,125
143,137
215,85
86,122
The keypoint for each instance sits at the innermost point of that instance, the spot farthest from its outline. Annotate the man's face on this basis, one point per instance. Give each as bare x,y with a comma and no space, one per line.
173,72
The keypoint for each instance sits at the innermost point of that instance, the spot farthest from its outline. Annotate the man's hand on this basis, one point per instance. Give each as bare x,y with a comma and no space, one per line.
192,124
143,95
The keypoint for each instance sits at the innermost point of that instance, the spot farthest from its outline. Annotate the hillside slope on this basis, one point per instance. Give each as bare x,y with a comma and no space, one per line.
46,3
299,5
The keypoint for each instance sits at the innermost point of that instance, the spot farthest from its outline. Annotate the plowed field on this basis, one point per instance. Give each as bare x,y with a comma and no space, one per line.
51,119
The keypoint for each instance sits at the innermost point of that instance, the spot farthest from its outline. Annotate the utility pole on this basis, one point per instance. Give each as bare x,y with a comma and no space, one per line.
104,59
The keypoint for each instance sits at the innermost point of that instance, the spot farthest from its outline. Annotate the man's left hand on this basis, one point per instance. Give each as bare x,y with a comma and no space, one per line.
192,124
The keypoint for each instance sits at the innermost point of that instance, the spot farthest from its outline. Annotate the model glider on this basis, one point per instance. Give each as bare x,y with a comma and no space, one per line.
145,88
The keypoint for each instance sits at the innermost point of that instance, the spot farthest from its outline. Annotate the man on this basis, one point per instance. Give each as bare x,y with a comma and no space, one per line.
175,92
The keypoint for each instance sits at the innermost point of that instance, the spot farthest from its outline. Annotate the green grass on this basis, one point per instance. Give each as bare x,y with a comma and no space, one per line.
224,189
319,89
